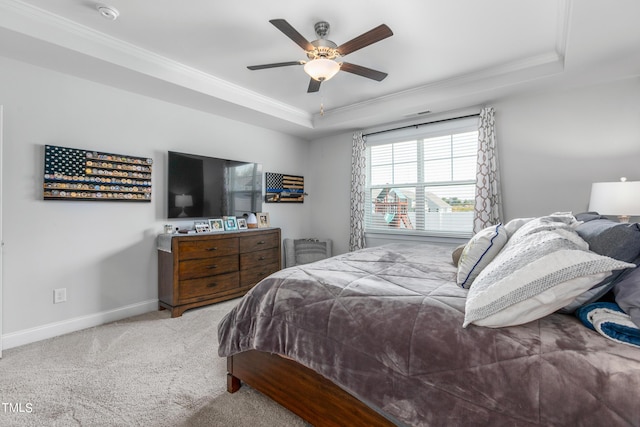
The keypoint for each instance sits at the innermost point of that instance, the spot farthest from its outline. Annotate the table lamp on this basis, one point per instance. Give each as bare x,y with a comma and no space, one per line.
616,198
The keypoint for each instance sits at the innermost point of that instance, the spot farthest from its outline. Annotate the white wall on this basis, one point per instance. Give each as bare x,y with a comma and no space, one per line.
103,252
552,146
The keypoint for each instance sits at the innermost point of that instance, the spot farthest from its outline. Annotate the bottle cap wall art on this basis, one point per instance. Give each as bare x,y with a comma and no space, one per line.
76,174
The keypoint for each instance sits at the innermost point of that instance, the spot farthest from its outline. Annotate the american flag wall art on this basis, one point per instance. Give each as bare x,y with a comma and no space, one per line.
76,174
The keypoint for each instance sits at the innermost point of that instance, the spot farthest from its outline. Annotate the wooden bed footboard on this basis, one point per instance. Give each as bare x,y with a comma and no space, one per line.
300,389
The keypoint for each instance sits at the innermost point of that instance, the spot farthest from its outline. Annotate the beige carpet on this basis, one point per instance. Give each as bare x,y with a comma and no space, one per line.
148,370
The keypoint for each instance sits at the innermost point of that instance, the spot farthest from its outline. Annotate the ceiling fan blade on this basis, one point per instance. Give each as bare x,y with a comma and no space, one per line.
314,86
292,33
277,64
363,71
372,36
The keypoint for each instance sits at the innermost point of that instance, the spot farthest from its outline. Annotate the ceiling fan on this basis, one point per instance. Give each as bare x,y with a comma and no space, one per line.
322,53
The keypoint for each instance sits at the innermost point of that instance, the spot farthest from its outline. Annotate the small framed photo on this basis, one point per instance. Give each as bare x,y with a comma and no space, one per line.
230,223
242,224
216,224
263,220
201,226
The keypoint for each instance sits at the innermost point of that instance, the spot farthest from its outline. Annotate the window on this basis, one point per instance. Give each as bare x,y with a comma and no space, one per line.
422,180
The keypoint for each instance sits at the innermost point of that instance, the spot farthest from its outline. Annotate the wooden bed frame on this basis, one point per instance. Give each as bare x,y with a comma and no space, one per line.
301,390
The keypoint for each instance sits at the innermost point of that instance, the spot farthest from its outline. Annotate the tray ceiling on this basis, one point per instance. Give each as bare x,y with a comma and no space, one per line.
443,56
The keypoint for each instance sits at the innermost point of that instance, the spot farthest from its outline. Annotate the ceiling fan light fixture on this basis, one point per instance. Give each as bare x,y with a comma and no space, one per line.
321,69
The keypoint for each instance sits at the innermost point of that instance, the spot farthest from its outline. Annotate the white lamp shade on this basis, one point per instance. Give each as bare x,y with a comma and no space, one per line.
321,69
184,200
615,198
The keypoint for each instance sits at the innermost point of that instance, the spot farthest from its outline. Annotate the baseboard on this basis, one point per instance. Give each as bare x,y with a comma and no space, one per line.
27,336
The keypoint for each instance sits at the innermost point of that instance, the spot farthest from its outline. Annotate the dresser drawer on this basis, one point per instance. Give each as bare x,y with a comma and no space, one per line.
257,258
251,276
206,286
259,242
207,248
194,268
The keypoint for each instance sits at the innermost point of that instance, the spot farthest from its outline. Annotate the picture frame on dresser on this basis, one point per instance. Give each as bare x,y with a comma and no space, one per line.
230,223
242,224
216,224
263,220
201,226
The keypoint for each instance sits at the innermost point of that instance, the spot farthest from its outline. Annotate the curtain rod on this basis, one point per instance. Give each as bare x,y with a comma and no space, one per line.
422,124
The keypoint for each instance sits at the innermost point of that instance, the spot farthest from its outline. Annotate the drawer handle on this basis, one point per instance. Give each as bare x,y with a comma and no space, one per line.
212,249
261,258
212,285
261,242
212,266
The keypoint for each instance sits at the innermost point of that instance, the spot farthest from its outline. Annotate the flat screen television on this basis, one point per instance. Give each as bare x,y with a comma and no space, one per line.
209,187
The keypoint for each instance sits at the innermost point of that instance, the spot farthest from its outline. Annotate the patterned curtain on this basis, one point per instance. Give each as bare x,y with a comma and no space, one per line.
358,170
488,205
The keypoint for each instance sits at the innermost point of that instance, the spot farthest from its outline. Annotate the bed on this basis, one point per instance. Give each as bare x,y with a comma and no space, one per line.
376,337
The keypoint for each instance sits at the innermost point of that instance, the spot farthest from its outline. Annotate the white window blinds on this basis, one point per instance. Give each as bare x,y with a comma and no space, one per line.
422,180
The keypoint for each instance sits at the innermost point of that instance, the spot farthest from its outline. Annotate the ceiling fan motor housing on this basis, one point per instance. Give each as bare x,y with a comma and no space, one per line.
324,48
322,29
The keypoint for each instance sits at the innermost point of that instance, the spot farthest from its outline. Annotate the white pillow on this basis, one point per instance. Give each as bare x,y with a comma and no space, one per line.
543,267
563,217
513,225
479,252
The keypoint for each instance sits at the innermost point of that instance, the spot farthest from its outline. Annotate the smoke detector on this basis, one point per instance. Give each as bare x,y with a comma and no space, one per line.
108,12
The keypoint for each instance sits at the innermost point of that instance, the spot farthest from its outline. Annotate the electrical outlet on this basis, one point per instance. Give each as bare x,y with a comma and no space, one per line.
59,295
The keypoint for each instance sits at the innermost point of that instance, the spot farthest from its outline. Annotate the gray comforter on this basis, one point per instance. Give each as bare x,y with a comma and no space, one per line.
385,324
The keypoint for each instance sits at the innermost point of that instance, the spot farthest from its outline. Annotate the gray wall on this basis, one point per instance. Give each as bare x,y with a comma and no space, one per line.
103,252
552,146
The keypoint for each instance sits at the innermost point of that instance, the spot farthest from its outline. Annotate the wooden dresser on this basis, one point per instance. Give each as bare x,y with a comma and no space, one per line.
207,268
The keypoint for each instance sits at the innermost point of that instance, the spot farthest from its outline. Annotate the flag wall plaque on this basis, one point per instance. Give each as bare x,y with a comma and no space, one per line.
284,188
76,174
